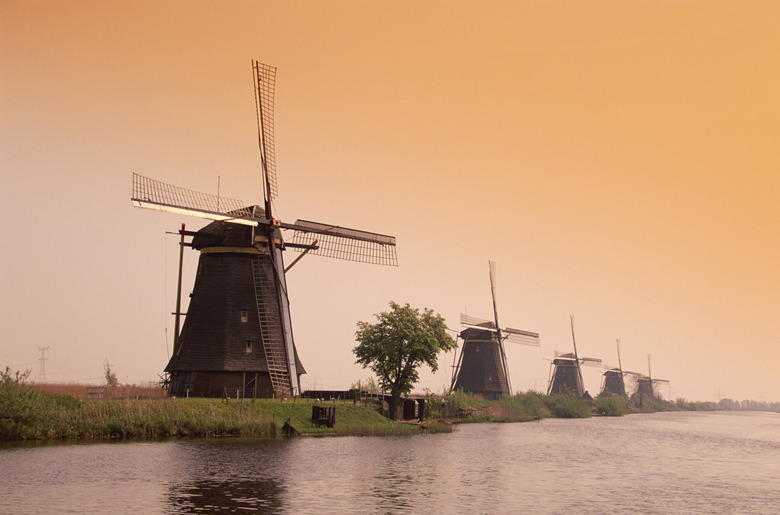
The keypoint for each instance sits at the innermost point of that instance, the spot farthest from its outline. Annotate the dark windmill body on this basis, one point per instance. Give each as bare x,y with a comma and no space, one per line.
566,372
613,382
566,375
237,336
233,338
482,369
613,378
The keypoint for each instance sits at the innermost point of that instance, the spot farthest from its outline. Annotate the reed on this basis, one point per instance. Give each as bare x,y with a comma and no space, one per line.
686,405
521,407
526,406
452,405
150,391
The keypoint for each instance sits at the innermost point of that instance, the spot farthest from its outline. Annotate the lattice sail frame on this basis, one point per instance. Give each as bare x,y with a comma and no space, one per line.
591,362
159,196
511,335
265,85
332,241
343,243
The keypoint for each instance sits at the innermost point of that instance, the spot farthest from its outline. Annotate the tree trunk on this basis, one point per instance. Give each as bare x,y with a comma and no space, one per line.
394,399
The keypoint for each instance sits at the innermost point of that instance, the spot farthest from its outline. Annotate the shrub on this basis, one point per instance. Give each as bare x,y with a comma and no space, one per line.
24,414
449,405
567,405
525,406
611,404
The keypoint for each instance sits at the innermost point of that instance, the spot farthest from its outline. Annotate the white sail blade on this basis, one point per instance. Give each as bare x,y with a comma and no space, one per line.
159,196
475,322
522,337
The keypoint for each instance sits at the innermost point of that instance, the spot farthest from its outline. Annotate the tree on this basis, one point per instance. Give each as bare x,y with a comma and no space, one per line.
111,379
394,348
368,385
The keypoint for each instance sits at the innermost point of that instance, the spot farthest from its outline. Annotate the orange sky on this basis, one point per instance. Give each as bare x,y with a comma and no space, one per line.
618,160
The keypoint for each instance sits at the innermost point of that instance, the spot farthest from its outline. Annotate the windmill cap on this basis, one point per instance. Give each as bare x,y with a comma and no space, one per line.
222,233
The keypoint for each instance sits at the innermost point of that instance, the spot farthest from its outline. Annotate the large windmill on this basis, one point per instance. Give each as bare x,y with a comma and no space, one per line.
566,373
482,369
237,335
645,385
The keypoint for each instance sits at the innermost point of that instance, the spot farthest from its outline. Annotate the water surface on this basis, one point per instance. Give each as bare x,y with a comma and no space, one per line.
658,463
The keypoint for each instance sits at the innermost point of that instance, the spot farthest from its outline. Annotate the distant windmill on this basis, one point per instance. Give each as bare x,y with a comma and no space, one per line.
645,385
482,369
615,378
565,370
237,335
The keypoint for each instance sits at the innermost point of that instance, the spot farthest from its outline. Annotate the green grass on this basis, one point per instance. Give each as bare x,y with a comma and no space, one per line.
521,407
26,414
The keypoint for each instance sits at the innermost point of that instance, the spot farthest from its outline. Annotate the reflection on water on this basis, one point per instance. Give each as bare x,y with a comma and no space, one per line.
233,496
660,463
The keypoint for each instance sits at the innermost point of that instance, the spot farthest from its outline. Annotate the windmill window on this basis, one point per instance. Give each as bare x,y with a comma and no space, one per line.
249,346
244,315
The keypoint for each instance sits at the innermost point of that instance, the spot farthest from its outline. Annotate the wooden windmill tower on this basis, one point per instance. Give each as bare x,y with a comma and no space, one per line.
237,334
482,369
645,385
566,373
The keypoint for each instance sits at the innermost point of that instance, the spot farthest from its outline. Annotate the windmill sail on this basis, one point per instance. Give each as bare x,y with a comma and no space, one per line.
522,337
508,333
332,241
343,243
492,268
159,196
265,85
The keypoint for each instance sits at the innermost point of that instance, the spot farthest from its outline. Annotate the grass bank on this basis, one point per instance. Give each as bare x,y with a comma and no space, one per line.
531,405
521,407
28,414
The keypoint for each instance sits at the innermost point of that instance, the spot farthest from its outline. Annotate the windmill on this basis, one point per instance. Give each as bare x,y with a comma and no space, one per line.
645,385
237,335
482,369
613,377
565,370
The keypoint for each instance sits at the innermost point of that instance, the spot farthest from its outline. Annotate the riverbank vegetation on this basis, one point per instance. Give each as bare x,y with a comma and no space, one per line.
44,412
521,407
29,414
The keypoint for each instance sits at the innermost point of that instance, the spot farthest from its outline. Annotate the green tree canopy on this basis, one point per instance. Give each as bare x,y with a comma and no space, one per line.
401,340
